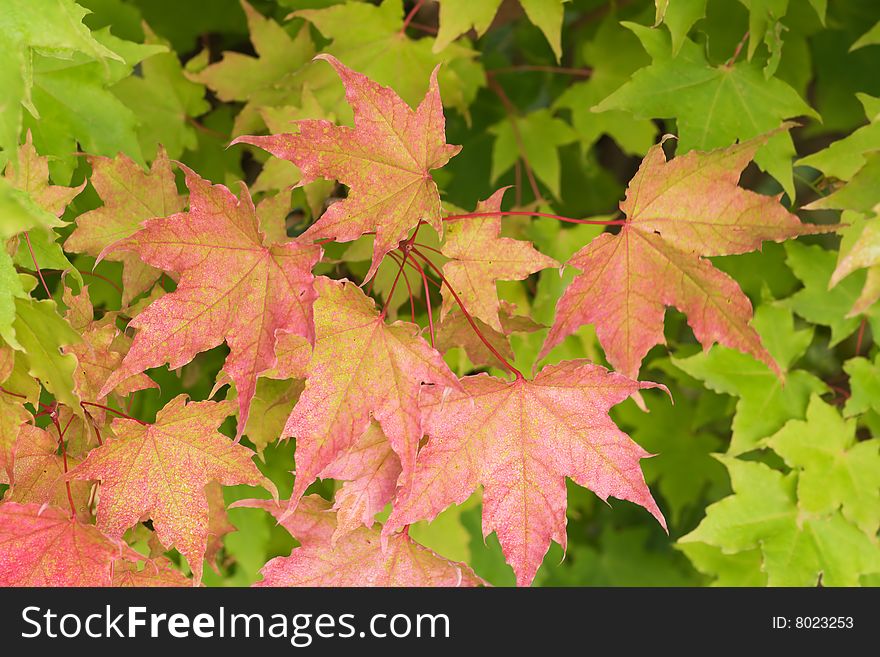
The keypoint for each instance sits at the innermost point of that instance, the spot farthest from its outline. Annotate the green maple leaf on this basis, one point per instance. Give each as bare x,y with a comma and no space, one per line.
75,105
869,38
266,80
379,50
20,212
835,471
864,384
844,157
679,16
765,401
459,16
614,54
536,137
684,469
163,100
738,569
713,106
814,265
53,28
796,548
41,333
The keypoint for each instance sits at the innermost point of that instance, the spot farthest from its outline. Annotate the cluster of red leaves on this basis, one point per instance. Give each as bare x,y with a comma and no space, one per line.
379,410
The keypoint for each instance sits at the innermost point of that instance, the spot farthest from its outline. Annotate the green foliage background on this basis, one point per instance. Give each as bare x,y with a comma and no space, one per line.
762,483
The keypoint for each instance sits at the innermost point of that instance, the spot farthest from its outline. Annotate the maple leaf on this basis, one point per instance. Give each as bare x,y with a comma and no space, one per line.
713,106
479,257
235,285
864,254
796,548
30,173
39,473
356,560
837,471
385,161
381,49
162,469
765,401
676,211
263,80
459,16
158,572
361,368
534,138
100,353
370,469
520,440
44,546
130,196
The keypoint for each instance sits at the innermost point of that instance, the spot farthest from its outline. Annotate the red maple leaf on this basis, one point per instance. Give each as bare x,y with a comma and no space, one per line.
235,285
358,559
520,440
43,546
361,369
385,160
677,211
162,470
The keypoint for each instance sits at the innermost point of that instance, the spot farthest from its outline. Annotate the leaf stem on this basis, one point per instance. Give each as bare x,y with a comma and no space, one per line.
12,394
467,315
518,213
412,13
113,410
63,446
412,305
427,300
37,266
512,112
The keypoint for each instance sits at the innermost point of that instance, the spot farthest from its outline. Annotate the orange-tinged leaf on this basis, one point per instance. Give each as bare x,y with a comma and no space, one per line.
385,160
31,174
480,256
370,469
358,559
44,546
361,369
520,440
154,573
39,473
130,196
162,470
235,285
677,211
99,354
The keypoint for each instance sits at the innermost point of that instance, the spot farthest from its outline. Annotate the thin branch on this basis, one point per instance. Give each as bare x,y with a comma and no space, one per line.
412,304
427,301
113,410
467,315
512,112
12,394
63,446
738,50
412,13
562,70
